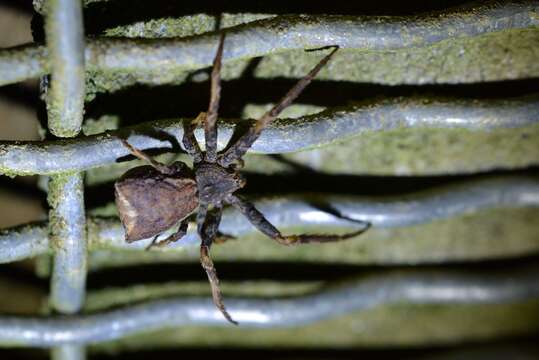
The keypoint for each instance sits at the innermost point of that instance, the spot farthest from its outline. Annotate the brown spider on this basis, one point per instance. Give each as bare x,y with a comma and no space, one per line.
153,198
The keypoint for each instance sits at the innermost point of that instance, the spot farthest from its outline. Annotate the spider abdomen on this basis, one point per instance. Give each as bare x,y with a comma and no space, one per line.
150,202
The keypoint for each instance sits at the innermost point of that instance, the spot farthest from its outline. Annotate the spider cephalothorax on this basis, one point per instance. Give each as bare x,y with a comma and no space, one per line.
151,199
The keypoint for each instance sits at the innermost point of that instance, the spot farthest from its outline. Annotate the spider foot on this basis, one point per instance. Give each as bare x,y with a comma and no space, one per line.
208,266
162,243
222,238
182,230
318,238
154,243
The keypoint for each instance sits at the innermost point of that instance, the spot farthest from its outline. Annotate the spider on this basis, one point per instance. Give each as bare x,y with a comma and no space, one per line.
153,198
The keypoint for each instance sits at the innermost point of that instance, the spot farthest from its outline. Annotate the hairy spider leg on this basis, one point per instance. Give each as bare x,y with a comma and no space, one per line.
210,129
207,225
238,149
256,218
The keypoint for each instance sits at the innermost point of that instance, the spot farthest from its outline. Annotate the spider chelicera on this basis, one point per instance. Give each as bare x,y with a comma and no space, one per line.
155,197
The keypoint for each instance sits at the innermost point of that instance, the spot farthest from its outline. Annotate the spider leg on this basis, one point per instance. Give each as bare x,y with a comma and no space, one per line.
162,168
221,238
182,230
189,141
152,243
238,149
207,229
210,130
256,218
201,216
